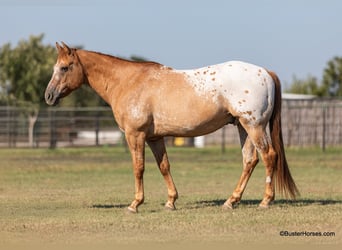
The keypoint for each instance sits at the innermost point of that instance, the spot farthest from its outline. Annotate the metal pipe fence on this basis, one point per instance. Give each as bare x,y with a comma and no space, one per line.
59,127
305,123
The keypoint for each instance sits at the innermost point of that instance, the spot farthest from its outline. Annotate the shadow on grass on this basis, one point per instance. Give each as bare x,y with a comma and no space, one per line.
109,206
244,203
115,206
280,202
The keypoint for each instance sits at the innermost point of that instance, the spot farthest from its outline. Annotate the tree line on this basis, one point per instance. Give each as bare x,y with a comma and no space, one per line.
331,85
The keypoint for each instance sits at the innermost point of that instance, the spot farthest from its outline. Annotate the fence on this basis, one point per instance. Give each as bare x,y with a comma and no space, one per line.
59,127
305,123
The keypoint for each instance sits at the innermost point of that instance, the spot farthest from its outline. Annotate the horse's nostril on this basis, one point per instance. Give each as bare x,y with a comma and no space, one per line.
49,97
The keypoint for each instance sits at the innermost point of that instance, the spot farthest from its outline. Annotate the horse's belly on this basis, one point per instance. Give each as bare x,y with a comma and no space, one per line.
191,124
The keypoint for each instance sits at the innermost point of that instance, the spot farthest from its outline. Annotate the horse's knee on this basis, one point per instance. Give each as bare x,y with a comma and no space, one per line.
164,168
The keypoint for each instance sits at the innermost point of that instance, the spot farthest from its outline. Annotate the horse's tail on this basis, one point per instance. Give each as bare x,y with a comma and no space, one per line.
284,181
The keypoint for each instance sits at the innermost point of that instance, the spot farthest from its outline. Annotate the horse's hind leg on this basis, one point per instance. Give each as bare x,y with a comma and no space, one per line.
250,160
159,152
263,144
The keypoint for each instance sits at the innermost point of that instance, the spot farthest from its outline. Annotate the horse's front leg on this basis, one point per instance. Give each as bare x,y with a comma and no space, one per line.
159,152
136,144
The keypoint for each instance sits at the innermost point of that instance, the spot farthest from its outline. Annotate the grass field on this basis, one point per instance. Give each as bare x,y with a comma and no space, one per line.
80,195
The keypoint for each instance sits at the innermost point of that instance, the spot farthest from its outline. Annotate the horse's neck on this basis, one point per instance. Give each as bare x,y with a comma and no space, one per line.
105,74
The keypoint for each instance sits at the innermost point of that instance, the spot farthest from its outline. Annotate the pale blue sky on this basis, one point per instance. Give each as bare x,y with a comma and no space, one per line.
293,37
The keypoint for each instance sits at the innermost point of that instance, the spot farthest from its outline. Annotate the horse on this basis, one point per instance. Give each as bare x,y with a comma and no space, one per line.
150,101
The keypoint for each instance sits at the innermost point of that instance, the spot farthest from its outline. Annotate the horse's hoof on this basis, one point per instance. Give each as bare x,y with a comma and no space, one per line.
170,207
132,210
263,206
228,206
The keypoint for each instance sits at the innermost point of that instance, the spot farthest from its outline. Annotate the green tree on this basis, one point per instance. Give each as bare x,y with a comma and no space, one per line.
332,78
308,86
138,58
25,71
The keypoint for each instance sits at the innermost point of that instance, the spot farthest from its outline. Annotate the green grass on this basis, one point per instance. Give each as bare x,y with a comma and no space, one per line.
80,195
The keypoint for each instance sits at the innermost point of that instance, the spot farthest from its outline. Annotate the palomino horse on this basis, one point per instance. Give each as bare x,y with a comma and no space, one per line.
151,101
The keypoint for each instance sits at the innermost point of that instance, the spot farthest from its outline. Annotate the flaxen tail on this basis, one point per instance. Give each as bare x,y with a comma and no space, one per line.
284,181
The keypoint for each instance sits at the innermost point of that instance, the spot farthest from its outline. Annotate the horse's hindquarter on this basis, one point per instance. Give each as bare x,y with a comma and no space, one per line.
245,90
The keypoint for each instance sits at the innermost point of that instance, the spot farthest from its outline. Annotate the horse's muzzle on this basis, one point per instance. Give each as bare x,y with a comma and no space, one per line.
52,96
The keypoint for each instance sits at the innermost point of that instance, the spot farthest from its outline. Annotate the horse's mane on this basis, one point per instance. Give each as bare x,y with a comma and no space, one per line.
149,63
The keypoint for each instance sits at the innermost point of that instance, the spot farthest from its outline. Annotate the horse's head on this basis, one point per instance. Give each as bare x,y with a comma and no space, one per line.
67,76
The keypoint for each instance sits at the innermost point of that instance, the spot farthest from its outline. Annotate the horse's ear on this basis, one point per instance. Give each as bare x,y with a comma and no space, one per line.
58,47
66,48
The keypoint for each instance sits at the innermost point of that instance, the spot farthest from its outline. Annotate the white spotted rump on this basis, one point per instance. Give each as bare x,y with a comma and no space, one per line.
238,83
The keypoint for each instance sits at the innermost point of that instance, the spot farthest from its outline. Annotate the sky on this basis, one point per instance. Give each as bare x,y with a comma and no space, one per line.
292,37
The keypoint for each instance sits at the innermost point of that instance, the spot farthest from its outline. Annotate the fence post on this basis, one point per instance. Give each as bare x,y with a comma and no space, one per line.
10,127
53,137
324,114
97,128
223,140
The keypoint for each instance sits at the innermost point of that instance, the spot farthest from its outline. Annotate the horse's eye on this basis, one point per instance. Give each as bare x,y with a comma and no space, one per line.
64,69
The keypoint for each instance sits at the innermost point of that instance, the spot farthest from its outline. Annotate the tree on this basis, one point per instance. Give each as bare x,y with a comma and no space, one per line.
308,86
24,73
138,58
332,78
